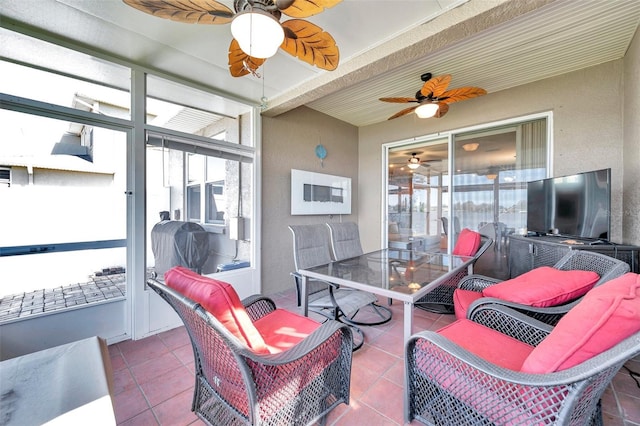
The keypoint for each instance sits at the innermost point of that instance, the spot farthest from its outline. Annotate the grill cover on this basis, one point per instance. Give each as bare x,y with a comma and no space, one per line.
177,243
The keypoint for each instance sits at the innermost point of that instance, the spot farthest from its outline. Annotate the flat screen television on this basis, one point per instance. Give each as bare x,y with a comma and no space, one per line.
575,206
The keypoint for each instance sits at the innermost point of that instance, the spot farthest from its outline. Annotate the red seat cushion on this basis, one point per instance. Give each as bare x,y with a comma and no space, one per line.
281,329
462,299
605,316
468,243
487,343
544,286
219,299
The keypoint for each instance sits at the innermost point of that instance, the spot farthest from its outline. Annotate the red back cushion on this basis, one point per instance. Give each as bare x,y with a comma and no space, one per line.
468,243
462,299
219,299
544,286
607,315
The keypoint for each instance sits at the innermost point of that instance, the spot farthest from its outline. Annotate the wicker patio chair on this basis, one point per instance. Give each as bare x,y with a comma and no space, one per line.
440,299
606,267
311,247
471,374
239,385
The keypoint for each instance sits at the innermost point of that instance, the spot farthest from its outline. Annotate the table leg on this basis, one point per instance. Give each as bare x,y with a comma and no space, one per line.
305,296
408,325
408,320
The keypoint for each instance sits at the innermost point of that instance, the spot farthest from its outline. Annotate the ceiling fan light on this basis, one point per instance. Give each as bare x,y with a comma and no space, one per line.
258,33
470,146
492,176
427,110
414,162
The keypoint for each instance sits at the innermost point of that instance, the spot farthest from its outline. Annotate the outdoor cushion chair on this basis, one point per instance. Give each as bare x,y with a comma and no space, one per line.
354,307
500,367
256,364
440,300
544,293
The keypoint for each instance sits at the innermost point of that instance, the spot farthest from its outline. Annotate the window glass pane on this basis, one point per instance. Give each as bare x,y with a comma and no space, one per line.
492,168
215,201
193,203
417,194
195,167
75,80
177,107
212,209
215,169
66,203
199,177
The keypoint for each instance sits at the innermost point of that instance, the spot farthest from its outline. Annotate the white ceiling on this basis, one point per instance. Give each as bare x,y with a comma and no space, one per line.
384,45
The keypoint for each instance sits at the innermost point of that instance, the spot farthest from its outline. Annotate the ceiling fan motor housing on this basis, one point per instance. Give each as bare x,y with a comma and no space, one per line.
268,6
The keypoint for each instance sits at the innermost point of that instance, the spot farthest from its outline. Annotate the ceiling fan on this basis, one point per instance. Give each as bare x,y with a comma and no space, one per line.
414,162
256,28
433,98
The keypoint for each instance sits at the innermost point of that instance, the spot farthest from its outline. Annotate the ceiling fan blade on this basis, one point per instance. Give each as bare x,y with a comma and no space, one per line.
442,110
306,8
403,112
434,87
191,12
399,100
460,94
309,43
240,63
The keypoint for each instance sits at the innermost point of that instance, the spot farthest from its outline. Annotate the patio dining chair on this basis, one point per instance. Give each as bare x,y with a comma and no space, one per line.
345,240
256,364
440,299
500,367
544,293
311,247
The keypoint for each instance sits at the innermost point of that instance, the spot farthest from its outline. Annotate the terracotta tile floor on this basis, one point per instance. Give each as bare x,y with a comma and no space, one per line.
153,378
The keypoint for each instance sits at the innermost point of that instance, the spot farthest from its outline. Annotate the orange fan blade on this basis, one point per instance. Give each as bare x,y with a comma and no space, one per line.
240,63
189,11
309,43
460,94
442,110
399,100
435,86
403,112
306,8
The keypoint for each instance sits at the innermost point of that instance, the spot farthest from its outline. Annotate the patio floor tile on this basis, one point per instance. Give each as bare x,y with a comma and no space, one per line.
154,378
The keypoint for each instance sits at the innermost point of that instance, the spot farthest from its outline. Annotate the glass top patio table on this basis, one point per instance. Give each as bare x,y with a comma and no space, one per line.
403,275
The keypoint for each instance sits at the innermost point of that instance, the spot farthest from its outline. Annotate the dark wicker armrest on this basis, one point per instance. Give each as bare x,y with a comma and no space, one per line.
258,306
549,314
508,321
477,282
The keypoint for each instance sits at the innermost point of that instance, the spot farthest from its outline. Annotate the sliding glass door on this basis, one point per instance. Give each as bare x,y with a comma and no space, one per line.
473,178
491,169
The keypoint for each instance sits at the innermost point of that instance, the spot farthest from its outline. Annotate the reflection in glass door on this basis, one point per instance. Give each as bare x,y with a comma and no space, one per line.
418,180
491,169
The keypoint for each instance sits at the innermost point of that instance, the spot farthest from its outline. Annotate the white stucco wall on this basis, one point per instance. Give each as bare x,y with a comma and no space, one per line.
289,142
631,131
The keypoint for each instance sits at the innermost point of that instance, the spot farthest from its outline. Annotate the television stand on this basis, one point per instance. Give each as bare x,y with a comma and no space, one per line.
529,252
